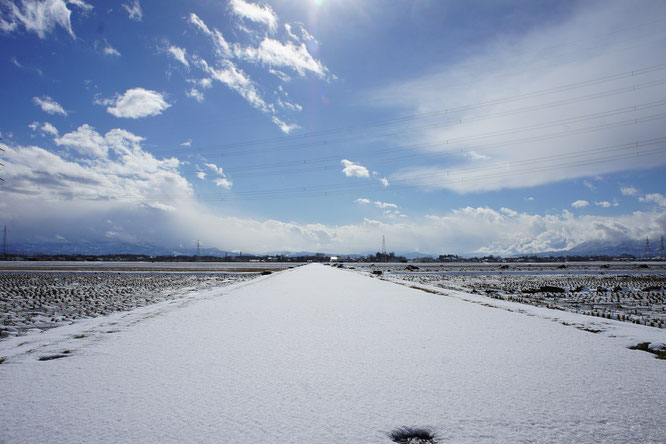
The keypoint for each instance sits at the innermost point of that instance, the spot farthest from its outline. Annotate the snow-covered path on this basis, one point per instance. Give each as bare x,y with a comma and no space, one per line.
316,354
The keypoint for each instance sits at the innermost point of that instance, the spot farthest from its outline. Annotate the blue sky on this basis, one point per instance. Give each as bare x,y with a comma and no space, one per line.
322,125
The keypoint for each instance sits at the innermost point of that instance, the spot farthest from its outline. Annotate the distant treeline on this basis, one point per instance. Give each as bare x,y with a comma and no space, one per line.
319,257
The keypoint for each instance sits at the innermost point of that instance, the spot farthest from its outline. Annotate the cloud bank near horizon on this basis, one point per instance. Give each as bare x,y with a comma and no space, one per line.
117,191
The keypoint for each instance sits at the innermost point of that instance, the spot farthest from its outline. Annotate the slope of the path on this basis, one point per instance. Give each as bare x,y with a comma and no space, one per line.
322,355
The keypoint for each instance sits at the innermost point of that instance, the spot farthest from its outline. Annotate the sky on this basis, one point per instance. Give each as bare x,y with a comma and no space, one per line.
506,127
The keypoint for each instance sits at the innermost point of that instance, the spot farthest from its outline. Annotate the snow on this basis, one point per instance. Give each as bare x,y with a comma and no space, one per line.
316,354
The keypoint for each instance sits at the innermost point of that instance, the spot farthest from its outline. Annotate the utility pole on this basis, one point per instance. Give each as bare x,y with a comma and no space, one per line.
661,250
2,150
4,241
647,248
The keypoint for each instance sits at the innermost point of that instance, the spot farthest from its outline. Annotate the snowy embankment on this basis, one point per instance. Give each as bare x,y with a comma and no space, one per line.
316,354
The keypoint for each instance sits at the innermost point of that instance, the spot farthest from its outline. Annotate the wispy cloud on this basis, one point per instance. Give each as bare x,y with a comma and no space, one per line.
178,54
106,48
542,110
222,180
604,204
276,54
377,203
48,105
111,51
580,204
40,16
134,10
258,14
284,127
222,47
629,191
195,94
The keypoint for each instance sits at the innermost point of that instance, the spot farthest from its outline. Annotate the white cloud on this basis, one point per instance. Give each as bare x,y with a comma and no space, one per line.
187,143
284,127
288,105
628,191
201,175
136,103
580,204
195,94
603,204
280,75
384,181
48,105
657,198
509,212
353,169
49,129
270,53
258,14
274,53
85,140
33,126
157,205
543,110
134,10
222,47
214,168
236,79
41,16
476,156
223,182
379,204
179,54
110,51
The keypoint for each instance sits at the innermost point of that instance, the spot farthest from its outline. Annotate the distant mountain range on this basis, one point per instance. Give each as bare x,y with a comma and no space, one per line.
635,248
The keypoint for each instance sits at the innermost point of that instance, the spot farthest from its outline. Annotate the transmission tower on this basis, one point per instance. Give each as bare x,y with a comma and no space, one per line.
661,249
647,247
198,249
384,247
4,241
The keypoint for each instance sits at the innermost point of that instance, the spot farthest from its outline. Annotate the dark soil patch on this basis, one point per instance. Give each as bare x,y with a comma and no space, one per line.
645,346
51,357
413,435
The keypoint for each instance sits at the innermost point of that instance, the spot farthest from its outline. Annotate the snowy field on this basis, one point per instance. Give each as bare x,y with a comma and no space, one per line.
41,300
126,266
630,292
317,354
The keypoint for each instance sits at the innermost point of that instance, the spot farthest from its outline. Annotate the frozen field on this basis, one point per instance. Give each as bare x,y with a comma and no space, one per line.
317,354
